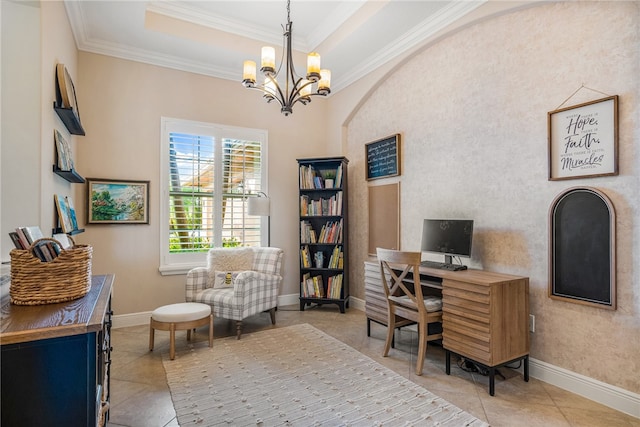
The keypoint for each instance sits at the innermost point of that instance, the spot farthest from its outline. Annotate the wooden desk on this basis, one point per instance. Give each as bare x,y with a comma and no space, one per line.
485,314
55,360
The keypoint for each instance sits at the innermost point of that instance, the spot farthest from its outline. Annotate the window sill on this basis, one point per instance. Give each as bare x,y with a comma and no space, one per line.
176,269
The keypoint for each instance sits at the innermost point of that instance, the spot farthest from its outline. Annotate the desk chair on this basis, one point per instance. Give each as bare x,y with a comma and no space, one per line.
405,300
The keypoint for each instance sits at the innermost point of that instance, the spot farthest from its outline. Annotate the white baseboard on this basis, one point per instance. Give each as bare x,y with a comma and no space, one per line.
605,394
132,319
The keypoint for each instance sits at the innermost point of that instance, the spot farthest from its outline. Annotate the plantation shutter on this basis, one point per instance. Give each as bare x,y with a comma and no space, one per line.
210,179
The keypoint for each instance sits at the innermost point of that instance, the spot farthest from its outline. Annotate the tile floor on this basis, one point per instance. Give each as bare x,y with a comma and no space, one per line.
140,396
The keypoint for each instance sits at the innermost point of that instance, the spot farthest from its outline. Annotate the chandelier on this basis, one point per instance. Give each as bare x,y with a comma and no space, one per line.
296,88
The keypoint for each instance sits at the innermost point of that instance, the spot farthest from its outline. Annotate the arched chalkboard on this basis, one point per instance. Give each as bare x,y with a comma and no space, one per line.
582,248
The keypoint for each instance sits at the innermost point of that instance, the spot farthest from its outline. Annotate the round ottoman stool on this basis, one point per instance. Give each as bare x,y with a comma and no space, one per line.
180,317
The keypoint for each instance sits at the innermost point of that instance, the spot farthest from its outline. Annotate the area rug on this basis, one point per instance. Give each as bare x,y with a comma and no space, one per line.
297,376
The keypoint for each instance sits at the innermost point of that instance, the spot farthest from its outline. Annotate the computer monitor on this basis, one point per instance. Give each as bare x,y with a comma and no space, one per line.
449,237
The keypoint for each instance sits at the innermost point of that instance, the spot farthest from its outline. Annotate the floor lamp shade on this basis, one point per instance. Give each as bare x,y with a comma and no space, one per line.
258,206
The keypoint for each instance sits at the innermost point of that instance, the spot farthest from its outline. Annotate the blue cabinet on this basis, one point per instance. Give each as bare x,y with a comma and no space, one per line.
55,360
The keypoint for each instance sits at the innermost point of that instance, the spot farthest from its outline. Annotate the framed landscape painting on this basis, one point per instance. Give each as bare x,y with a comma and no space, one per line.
113,201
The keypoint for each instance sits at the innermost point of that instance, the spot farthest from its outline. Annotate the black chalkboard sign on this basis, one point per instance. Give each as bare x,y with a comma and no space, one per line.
583,248
383,157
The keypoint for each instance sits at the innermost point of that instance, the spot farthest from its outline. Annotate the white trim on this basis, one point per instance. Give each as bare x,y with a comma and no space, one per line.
606,394
131,319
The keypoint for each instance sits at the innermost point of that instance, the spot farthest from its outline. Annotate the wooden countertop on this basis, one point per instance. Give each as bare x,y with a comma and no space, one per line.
25,323
470,275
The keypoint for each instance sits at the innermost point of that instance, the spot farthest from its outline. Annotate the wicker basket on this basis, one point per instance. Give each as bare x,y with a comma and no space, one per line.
34,282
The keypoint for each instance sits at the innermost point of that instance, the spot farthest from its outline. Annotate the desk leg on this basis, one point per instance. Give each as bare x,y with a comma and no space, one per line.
492,381
447,358
526,368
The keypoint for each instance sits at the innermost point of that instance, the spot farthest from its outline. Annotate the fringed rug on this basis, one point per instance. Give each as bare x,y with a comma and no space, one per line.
297,376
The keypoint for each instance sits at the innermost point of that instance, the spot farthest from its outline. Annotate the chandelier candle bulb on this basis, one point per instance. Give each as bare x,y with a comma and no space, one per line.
305,89
268,64
324,84
313,66
249,73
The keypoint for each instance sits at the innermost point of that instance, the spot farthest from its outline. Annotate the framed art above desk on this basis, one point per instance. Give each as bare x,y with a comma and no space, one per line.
383,157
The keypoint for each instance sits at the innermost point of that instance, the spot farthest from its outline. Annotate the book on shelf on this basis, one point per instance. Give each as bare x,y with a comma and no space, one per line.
24,242
307,233
303,284
312,286
318,286
331,232
25,237
334,286
32,233
305,257
16,240
63,239
311,178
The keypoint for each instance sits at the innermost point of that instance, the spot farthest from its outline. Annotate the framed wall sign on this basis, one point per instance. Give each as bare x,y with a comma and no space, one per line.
583,140
113,201
383,157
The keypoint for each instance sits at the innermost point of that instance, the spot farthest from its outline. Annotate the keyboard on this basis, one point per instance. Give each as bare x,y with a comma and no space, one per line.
443,266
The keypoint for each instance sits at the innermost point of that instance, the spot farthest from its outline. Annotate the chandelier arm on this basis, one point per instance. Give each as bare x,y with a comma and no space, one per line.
267,94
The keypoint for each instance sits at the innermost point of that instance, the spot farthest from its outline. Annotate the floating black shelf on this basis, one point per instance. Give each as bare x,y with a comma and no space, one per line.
71,233
70,118
71,176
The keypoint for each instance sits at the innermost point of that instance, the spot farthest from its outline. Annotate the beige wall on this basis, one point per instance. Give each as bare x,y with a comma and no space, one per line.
476,124
37,37
121,105
21,117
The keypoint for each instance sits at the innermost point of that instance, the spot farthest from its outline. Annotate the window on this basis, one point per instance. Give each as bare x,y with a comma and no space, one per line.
208,171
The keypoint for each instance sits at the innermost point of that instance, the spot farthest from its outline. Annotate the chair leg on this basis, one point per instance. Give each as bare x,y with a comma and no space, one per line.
151,337
272,312
238,328
211,330
391,328
172,341
422,347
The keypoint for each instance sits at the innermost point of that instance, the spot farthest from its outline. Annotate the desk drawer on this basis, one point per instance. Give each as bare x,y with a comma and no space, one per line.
462,345
463,323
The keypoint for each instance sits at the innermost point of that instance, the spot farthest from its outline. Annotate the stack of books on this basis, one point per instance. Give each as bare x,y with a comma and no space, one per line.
46,250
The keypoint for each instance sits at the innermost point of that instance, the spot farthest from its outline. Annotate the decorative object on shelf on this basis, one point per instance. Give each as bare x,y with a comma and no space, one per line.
64,215
383,157
63,150
64,160
66,104
65,278
583,140
582,248
261,206
112,201
323,232
296,88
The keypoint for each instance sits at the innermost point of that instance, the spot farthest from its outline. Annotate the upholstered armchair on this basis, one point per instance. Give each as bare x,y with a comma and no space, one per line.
238,282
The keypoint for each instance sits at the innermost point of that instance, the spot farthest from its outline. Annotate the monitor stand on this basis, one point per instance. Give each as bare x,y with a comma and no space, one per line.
448,259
